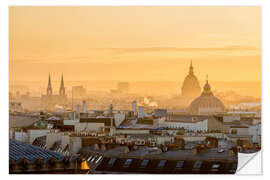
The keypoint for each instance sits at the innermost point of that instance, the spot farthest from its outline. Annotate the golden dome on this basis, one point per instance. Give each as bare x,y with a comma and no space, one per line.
207,103
191,87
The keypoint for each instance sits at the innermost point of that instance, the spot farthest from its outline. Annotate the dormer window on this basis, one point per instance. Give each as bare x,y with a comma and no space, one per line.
179,164
144,163
162,163
111,162
128,162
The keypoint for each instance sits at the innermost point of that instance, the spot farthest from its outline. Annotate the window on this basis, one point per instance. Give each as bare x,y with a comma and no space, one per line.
179,164
98,159
144,163
90,157
197,165
93,159
162,163
128,162
215,166
111,162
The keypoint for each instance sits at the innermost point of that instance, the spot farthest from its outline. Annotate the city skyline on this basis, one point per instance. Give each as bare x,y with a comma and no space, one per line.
133,90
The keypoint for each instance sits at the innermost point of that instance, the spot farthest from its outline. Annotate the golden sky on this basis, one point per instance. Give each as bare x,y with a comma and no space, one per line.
135,43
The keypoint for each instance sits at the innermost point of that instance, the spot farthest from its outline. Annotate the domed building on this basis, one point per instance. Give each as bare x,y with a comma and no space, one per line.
191,87
207,103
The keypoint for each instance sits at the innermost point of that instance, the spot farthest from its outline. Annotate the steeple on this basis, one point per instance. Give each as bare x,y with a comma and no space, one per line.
207,88
49,88
191,67
62,87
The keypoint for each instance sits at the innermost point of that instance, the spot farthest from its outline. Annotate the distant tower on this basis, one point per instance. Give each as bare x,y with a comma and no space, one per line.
134,106
84,107
111,109
191,68
140,112
207,103
62,87
191,87
49,88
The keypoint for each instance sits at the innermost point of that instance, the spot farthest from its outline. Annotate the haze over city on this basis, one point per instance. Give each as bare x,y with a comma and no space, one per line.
150,90
144,44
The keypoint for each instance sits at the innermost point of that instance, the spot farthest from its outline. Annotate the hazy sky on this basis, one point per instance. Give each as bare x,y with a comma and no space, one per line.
135,43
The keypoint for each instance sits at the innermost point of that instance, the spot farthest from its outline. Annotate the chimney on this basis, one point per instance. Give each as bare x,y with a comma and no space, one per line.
194,151
197,149
103,147
126,149
111,109
96,147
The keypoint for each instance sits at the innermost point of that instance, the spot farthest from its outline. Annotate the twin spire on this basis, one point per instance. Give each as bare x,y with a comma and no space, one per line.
49,88
49,83
62,87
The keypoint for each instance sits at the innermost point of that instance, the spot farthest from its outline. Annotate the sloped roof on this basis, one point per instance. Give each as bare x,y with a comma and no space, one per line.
19,150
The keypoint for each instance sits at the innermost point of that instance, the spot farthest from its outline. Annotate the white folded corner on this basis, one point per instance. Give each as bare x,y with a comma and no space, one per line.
249,164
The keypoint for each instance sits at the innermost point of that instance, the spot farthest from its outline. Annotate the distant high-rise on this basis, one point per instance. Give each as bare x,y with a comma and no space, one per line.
134,106
191,87
140,112
84,106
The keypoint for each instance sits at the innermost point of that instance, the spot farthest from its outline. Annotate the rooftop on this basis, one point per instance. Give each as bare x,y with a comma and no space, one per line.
19,150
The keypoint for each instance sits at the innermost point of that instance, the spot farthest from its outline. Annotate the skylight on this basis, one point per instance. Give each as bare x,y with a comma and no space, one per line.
162,163
128,162
179,164
144,163
111,162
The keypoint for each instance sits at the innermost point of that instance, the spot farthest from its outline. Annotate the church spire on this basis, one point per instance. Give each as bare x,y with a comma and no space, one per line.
207,88
49,88
62,81
191,67
62,87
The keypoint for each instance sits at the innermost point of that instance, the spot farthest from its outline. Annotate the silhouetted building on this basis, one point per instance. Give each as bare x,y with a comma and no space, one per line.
191,87
207,103
50,101
78,92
